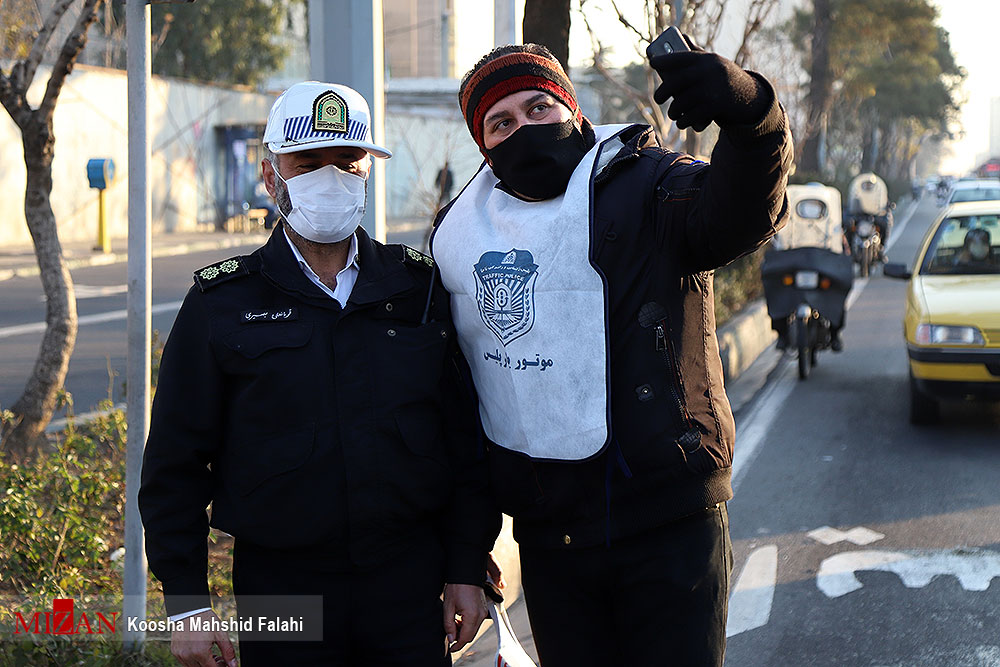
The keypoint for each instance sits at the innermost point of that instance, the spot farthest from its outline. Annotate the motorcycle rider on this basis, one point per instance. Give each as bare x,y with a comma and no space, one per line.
868,196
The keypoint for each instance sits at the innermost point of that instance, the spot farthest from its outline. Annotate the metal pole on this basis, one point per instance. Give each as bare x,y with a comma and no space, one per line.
345,46
506,29
103,236
139,317
446,43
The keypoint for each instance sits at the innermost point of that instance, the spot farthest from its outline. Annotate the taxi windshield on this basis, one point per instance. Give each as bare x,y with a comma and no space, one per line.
965,245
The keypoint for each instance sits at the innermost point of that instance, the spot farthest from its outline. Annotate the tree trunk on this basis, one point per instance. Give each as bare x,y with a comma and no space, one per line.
546,22
36,405
820,96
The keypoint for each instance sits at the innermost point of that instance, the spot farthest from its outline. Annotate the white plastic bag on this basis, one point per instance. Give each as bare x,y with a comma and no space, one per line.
509,651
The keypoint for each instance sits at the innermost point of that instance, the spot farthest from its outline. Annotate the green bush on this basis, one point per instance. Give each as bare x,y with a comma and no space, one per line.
736,285
62,527
62,513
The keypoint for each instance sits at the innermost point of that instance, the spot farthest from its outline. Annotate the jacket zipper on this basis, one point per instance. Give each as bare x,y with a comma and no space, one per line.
610,167
675,195
688,440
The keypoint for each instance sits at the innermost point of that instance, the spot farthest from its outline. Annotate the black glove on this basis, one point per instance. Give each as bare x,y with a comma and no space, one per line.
707,87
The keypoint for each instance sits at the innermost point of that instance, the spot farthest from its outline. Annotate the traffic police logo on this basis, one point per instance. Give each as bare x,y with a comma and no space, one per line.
505,284
329,113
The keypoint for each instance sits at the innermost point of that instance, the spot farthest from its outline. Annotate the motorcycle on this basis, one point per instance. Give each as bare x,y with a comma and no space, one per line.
807,287
866,243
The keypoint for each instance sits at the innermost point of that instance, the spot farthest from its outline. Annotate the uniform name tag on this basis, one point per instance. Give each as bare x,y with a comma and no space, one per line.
283,315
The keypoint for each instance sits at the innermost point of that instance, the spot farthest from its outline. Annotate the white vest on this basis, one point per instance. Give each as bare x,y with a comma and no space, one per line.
530,310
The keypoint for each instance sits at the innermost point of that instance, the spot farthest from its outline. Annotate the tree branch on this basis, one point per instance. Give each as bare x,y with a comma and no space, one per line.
24,71
757,14
625,22
71,48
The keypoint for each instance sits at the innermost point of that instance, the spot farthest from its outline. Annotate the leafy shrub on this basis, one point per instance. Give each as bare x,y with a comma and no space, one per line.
62,525
736,285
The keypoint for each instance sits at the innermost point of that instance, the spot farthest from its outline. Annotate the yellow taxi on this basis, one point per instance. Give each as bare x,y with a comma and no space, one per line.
952,321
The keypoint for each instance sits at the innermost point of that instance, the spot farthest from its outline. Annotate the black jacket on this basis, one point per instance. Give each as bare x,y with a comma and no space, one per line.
311,428
661,222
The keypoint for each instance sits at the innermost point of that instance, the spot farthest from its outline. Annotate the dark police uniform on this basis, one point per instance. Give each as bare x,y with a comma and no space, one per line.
339,446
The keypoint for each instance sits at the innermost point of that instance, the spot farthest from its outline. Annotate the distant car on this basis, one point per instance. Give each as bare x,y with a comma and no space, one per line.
952,321
974,189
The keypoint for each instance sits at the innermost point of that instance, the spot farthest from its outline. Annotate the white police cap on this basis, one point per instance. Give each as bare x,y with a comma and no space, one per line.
318,115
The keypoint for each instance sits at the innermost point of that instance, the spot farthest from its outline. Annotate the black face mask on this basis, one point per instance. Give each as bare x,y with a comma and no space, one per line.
537,160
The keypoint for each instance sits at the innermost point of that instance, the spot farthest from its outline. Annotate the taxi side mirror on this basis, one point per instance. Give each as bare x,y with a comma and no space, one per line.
896,270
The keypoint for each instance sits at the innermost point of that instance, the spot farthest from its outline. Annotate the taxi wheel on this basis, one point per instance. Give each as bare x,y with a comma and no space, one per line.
924,410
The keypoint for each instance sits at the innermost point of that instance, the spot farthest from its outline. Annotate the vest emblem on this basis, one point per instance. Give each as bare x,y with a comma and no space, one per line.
505,291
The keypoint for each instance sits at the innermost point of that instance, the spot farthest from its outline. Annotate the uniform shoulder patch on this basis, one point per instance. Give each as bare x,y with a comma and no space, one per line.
216,274
411,256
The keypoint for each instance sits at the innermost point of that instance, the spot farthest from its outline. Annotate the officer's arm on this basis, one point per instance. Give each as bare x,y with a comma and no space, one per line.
176,483
713,214
473,521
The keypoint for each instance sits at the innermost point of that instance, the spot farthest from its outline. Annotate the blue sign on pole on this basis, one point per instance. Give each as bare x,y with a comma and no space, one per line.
100,172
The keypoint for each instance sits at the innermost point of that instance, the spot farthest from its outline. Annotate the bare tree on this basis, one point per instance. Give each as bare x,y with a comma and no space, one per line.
34,408
701,21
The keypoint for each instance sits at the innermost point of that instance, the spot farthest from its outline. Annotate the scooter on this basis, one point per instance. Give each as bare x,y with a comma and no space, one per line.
807,287
866,244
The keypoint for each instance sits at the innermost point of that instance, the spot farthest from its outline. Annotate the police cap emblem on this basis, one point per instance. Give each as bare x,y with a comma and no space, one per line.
329,113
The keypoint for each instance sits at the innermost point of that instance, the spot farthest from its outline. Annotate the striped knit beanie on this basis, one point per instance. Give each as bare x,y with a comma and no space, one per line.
511,69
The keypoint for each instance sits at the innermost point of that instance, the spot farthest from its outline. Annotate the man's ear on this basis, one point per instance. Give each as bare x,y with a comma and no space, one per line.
267,173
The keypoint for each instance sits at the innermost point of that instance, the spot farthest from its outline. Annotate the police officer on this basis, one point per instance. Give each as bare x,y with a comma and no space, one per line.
579,264
313,393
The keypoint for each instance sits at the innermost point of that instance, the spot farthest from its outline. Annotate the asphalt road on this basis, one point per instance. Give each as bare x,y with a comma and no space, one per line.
860,539
97,367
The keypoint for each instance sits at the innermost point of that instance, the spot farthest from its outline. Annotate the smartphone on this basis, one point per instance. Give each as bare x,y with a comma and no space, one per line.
670,41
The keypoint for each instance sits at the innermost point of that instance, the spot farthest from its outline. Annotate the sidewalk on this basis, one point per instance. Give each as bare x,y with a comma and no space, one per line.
19,261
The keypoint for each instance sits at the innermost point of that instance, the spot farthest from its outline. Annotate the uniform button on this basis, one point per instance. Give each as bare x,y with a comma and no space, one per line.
567,539
388,307
391,332
444,334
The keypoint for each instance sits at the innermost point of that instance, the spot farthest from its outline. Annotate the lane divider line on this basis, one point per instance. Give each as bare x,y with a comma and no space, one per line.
752,597
97,318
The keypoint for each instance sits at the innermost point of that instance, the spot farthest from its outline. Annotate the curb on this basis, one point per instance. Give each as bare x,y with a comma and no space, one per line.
166,251
744,338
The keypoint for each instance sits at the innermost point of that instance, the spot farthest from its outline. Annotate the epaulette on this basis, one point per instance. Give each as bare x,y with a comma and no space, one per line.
216,274
411,256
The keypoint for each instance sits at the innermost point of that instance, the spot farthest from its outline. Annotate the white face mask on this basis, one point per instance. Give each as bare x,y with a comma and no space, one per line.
327,203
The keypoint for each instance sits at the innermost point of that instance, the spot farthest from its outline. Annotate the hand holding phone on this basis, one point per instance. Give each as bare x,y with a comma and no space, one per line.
705,87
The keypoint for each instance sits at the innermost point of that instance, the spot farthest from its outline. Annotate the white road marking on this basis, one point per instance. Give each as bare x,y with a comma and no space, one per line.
898,231
750,602
861,536
97,318
974,568
750,431
95,291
